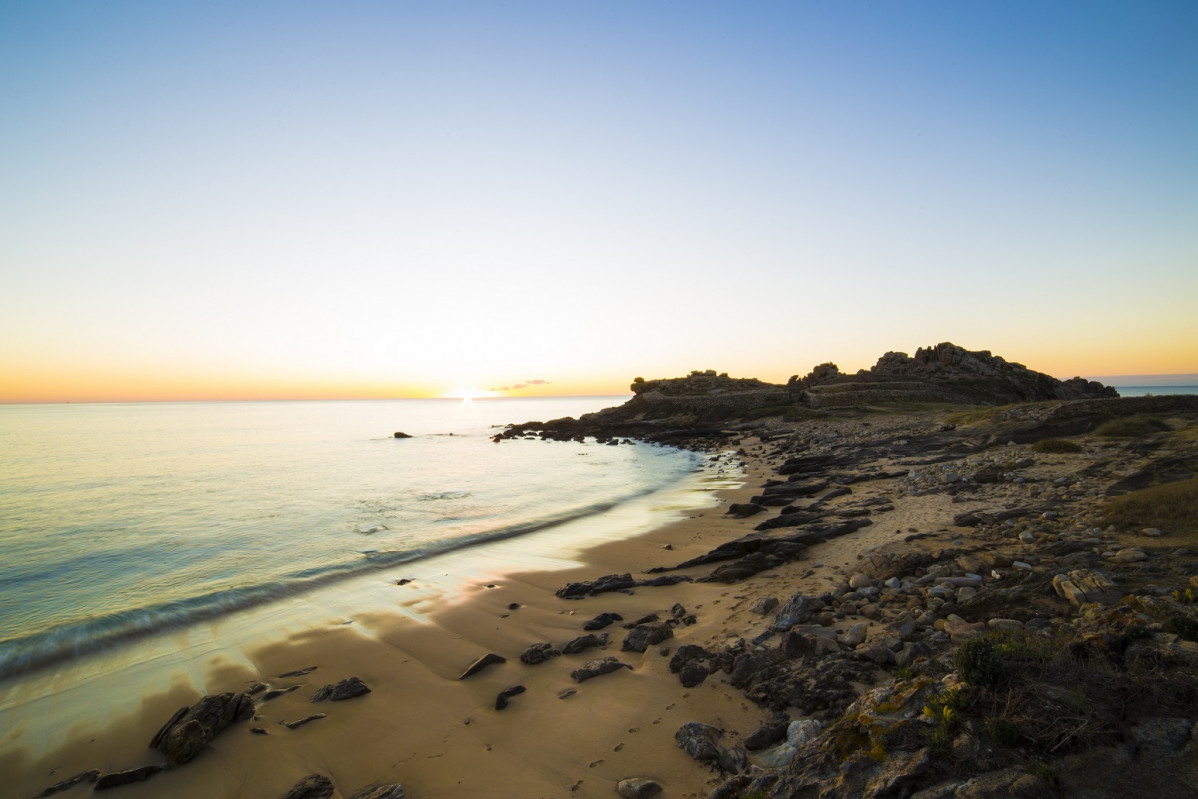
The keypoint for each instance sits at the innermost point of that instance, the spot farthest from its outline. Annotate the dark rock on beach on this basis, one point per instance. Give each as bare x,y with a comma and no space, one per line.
596,668
702,742
507,693
119,778
58,787
539,653
191,728
313,786
346,689
584,642
488,659
601,621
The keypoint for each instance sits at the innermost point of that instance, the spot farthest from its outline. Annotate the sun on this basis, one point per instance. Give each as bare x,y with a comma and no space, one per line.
468,393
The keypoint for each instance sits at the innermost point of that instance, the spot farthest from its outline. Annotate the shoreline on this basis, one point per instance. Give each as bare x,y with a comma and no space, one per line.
439,606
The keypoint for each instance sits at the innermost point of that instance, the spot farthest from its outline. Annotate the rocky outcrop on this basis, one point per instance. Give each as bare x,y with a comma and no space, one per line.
943,373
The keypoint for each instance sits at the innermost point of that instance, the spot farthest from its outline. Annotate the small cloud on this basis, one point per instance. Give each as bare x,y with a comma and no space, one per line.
518,386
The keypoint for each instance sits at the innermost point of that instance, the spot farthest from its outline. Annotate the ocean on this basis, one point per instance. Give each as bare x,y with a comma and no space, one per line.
120,522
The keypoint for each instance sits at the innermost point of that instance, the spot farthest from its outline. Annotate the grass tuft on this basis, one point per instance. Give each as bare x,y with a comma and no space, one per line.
1172,507
1130,427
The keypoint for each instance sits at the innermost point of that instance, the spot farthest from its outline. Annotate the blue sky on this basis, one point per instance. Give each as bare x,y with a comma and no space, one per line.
376,199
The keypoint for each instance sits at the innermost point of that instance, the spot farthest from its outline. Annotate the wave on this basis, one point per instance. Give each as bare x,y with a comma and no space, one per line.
23,655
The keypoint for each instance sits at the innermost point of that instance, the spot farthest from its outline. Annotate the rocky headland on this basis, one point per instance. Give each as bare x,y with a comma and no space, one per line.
948,576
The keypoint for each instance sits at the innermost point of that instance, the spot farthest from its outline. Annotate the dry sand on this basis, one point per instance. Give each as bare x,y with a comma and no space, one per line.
440,736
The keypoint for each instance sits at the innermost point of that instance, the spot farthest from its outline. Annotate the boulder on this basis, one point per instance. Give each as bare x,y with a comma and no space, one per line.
191,728
644,636
702,742
313,786
637,788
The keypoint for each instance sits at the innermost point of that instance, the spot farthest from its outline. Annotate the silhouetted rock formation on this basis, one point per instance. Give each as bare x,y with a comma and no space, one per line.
695,410
943,373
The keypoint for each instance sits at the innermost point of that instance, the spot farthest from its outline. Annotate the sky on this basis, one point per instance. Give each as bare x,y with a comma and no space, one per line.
240,200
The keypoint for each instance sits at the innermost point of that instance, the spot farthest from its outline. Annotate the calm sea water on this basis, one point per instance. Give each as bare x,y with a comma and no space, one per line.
121,520
1155,391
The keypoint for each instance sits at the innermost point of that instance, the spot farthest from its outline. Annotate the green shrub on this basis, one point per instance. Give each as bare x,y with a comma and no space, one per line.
1056,446
1183,626
980,663
1005,733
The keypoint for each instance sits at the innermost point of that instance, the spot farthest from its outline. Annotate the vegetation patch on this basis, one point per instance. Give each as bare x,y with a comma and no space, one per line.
1130,427
1057,446
1172,507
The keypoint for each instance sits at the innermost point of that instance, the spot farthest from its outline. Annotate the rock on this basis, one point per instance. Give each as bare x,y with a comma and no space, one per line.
854,635
119,778
960,629
539,653
701,742
996,560
58,787
610,582
637,788
601,621
293,725
596,668
506,694
1083,585
191,728
277,692
798,610
1005,625
298,672
1152,532
488,659
313,786
743,510
390,791
1161,733
1130,555
1009,783
643,636
584,642
346,689
764,605
766,735
860,580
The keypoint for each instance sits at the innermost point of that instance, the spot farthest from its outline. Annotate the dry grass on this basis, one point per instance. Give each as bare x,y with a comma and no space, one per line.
1056,446
1172,507
1130,427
